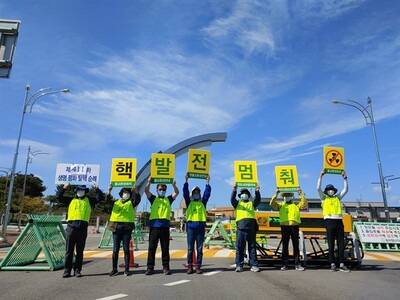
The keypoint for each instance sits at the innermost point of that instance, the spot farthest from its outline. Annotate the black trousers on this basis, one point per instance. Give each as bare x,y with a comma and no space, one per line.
335,231
158,234
121,234
290,232
76,238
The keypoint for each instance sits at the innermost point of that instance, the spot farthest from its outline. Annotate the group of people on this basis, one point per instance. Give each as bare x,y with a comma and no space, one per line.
122,223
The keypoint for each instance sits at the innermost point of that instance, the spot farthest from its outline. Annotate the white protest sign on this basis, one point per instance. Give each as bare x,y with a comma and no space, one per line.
77,174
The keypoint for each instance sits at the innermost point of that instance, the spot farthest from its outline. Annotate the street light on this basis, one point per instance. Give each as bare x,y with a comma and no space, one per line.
29,158
29,101
369,118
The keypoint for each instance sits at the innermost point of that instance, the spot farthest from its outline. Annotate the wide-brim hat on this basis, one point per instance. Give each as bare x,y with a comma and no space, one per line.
287,194
244,191
81,187
330,187
124,190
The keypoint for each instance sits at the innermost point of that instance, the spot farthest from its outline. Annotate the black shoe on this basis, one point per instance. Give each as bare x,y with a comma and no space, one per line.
127,273
66,274
78,273
166,271
150,271
189,270
114,272
199,271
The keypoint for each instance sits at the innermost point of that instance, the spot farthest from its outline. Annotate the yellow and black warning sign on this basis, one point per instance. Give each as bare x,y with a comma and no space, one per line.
333,160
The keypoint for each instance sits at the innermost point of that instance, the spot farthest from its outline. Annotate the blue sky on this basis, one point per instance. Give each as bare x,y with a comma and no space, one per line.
145,75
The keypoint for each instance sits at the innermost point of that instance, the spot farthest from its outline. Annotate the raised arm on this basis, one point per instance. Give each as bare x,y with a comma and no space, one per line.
176,191
257,198
135,196
207,191
322,196
234,201
186,194
147,188
345,186
60,195
273,203
303,201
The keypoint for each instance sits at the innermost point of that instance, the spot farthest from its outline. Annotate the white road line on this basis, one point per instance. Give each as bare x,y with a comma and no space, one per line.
176,282
222,253
212,273
102,254
113,297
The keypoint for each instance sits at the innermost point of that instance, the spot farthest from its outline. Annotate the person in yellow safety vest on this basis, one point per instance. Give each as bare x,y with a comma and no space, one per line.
332,211
79,210
289,215
247,227
122,223
196,217
160,214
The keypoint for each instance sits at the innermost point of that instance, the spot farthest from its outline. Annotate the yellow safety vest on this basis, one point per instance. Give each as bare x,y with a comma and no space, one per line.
79,210
123,212
289,212
245,210
331,206
160,209
196,212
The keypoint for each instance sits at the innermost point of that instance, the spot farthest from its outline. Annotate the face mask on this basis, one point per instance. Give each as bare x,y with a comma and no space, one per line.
288,199
161,194
331,192
196,197
244,197
126,196
80,193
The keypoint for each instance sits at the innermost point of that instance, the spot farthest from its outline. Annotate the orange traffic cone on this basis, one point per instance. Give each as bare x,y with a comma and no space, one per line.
132,263
194,260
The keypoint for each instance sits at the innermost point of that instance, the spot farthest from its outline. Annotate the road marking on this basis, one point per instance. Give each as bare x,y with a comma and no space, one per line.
104,254
212,273
222,253
113,297
176,282
391,256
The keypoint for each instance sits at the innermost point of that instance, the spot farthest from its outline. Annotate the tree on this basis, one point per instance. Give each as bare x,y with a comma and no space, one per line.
34,188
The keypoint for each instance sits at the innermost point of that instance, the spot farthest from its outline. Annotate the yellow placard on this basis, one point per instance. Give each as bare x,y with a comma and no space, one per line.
123,172
286,178
245,174
333,160
162,168
198,163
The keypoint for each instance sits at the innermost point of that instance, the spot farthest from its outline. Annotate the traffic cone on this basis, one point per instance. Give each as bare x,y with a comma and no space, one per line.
194,260
132,263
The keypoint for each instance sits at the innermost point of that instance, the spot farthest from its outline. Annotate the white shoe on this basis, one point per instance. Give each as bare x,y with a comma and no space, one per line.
299,267
255,269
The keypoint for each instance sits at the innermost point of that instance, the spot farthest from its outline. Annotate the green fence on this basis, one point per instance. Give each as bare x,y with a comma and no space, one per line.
217,236
106,241
43,234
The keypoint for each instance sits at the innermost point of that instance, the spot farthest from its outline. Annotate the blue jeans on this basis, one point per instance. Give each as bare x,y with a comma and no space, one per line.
195,235
124,235
243,236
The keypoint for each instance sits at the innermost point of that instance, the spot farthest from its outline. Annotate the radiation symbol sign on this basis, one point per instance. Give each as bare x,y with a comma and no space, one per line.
333,160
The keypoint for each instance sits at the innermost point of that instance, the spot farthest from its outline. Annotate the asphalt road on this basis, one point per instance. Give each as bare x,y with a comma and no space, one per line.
375,280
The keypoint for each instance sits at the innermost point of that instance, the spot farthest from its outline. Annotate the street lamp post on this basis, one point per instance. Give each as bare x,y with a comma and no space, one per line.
369,118
29,158
29,101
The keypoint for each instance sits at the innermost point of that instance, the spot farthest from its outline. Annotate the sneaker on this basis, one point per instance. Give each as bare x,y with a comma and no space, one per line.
127,273
343,268
66,274
199,271
189,270
333,267
114,272
78,273
166,271
255,269
239,269
299,267
150,271
284,268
